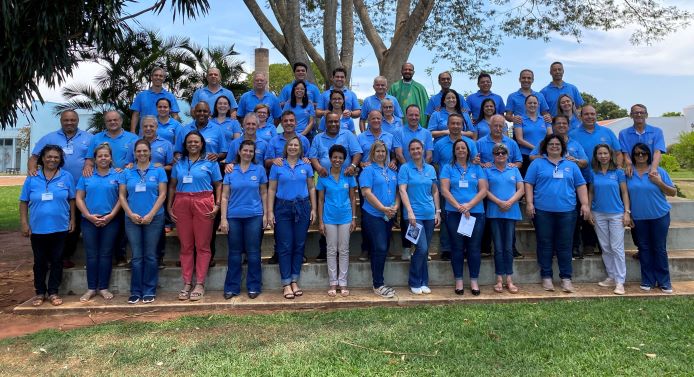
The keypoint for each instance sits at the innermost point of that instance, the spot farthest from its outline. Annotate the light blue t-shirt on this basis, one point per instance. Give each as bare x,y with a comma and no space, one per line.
351,101
244,196
146,102
607,196
475,100
502,183
516,102
260,150
384,185
75,148
435,102
267,132
573,149
312,91
143,188
346,123
162,152
337,208
366,139
100,191
439,122
374,103
485,145
322,143
195,176
249,101
648,201
533,132
419,184
482,128
120,146
651,136
402,140
49,201
168,130
229,127
206,95
588,140
554,186
391,127
464,184
291,182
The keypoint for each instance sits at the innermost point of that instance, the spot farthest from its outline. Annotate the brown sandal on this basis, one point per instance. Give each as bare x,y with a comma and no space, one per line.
197,294
38,300
55,300
184,294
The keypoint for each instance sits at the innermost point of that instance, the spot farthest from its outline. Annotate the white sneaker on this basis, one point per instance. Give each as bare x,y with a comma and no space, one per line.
664,290
619,289
416,291
645,288
567,286
426,290
608,282
405,255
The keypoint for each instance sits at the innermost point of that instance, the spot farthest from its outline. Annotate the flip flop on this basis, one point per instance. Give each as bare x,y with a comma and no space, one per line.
88,295
55,300
38,300
184,294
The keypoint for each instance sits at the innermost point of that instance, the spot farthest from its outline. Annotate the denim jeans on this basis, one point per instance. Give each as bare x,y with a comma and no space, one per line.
445,241
609,228
292,219
143,243
554,233
419,266
48,250
244,234
652,238
379,232
72,238
462,246
502,233
98,247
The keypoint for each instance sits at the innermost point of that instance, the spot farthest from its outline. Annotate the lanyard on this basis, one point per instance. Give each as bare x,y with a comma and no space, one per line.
462,172
189,165
48,181
142,175
68,140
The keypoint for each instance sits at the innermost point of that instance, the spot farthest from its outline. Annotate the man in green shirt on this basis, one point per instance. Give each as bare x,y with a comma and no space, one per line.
409,92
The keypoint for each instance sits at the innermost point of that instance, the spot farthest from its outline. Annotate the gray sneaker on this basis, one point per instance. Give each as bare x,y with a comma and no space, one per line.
619,289
547,284
566,286
608,282
385,291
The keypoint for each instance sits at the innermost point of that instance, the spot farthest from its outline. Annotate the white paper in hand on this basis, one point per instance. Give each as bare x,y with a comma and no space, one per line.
466,225
413,233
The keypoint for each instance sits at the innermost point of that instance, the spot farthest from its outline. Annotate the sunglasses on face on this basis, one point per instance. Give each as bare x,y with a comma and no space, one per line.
640,154
499,153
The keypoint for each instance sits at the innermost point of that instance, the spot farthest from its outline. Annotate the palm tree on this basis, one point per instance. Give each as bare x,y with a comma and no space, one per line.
223,58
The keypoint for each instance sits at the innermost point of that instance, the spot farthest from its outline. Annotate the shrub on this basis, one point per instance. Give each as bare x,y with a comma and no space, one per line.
683,151
669,163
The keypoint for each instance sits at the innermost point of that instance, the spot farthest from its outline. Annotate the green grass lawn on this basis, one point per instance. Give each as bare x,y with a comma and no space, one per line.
644,337
9,207
682,174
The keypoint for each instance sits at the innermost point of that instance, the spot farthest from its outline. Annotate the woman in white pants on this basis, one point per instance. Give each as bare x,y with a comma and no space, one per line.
611,213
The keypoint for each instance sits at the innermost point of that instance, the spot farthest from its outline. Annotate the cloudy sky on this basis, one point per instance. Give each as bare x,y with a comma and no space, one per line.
604,64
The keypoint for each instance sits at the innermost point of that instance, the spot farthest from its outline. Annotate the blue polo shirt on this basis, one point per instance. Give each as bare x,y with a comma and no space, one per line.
482,128
439,122
120,146
141,202
402,140
337,209
533,131
351,101
384,185
244,197
485,145
203,174
48,216
435,102
322,143
229,127
303,114
346,123
162,152
215,140
146,102
502,183
366,139
607,197
588,140
474,100
574,122
651,136
573,149
168,130
391,128
516,102
648,202
374,103
260,150
443,150
312,91
554,194
75,148
205,94
291,182
276,146
100,191
249,101
419,184
552,94
464,184
267,132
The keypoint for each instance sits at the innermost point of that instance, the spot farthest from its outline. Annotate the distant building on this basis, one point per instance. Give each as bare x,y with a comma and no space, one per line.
671,126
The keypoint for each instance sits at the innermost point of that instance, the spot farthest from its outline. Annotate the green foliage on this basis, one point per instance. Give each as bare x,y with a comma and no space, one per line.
281,74
605,109
683,150
194,75
669,163
672,114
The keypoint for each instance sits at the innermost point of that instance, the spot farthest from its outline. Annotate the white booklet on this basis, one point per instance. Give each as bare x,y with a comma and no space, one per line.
466,225
413,233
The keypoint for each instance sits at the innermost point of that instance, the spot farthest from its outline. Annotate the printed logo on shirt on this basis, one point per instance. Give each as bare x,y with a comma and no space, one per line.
473,175
209,141
160,150
302,171
345,185
603,139
152,178
205,168
254,178
513,177
113,182
567,169
612,176
60,184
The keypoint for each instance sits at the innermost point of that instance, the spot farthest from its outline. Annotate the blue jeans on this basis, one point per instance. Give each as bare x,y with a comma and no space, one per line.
379,231
652,243
554,233
445,235
143,242
419,266
462,246
292,218
244,234
98,247
502,234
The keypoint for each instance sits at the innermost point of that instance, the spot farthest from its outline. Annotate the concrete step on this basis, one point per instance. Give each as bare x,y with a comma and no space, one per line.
315,275
360,297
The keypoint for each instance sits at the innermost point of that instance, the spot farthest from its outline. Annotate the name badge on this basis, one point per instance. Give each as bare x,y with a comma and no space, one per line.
188,179
46,196
558,174
463,183
68,149
140,187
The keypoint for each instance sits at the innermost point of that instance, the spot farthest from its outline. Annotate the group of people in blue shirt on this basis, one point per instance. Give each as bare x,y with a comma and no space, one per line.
464,173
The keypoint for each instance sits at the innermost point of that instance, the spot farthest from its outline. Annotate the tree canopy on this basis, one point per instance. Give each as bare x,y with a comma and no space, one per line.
281,74
605,109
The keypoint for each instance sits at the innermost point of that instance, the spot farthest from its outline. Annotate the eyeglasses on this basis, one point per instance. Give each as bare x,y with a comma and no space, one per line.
500,153
638,113
387,107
